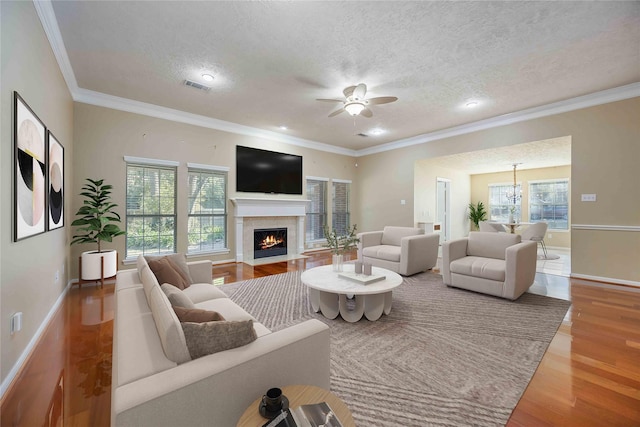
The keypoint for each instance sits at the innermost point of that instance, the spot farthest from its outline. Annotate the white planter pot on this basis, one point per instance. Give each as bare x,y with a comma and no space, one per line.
91,264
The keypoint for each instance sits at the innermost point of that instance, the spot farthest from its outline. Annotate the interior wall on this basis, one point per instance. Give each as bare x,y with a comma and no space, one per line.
104,136
480,193
604,151
29,267
426,174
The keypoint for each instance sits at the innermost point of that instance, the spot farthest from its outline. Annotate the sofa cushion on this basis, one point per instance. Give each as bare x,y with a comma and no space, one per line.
168,327
212,337
196,315
180,261
386,252
199,292
227,308
393,235
148,280
176,296
487,268
166,271
490,245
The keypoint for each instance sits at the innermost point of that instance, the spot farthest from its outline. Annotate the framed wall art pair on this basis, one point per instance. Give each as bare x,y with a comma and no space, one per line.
38,175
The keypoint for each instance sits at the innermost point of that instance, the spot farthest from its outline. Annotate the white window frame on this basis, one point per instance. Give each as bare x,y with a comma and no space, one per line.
157,165
505,207
323,214
217,171
334,214
552,224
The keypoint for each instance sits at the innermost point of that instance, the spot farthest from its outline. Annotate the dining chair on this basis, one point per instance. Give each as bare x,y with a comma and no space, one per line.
536,233
491,226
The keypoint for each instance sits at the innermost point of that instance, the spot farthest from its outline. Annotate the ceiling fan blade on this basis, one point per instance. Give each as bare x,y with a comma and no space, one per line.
330,100
360,91
348,91
382,100
335,113
366,112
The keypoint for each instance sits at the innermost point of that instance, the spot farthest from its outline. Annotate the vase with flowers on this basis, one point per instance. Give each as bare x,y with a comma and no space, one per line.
340,244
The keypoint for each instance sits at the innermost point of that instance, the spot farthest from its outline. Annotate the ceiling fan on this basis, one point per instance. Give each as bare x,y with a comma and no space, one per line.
355,102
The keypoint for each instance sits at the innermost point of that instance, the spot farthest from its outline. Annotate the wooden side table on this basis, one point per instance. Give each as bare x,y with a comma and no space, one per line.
300,395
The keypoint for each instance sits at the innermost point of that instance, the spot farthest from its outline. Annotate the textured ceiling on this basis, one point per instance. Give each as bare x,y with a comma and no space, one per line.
530,155
271,60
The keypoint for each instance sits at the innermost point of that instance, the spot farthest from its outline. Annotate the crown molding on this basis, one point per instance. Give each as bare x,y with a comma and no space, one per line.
124,104
597,98
47,17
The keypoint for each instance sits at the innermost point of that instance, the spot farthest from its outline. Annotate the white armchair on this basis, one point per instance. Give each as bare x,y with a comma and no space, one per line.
405,250
497,264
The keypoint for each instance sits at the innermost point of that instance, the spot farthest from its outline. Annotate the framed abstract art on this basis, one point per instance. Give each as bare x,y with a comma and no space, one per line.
30,172
55,190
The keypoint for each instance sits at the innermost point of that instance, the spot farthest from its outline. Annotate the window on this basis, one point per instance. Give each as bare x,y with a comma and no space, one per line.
207,210
549,202
500,204
317,212
151,209
341,220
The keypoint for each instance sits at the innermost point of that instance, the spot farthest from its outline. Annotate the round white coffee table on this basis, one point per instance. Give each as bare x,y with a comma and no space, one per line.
328,293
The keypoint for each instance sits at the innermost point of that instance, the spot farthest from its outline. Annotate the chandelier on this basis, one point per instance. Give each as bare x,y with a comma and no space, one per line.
514,195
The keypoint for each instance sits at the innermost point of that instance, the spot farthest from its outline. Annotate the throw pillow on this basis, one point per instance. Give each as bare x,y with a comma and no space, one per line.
165,272
180,262
212,337
176,296
196,315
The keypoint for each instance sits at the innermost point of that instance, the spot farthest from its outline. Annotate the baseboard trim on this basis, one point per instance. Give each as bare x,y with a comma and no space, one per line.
606,280
13,373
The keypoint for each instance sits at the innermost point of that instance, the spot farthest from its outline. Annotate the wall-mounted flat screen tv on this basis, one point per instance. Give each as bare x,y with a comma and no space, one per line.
262,171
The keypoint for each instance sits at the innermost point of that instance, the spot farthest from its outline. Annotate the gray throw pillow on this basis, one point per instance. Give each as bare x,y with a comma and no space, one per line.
176,296
212,337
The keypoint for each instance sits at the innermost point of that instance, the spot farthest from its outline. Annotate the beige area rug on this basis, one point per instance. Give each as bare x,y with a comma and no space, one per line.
443,356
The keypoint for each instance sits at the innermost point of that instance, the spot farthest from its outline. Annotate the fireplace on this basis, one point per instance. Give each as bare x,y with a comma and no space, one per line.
268,242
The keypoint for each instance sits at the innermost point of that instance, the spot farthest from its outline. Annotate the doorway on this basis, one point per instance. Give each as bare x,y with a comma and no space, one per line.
443,208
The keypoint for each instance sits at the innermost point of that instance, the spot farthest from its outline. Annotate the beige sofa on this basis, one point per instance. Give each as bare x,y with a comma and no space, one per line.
151,389
492,263
405,250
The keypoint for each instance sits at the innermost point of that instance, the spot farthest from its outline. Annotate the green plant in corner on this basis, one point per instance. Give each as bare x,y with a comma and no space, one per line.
340,244
477,214
96,215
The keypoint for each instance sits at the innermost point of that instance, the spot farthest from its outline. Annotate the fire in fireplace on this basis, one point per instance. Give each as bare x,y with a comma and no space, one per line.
269,242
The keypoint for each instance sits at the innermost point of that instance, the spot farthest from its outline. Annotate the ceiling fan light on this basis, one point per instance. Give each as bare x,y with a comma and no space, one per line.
354,108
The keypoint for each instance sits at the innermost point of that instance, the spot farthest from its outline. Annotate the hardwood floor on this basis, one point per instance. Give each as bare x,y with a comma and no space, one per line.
589,376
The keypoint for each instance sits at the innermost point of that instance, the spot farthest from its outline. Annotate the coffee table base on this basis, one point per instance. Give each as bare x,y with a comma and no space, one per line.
371,306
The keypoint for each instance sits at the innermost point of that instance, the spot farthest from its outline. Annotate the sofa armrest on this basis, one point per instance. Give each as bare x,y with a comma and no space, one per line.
216,389
520,261
451,251
201,271
368,238
418,253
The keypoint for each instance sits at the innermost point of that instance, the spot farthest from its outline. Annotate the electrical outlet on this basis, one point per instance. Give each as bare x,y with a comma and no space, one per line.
588,197
549,235
403,202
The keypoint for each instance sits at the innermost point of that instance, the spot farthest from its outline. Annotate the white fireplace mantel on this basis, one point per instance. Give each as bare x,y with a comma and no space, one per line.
257,208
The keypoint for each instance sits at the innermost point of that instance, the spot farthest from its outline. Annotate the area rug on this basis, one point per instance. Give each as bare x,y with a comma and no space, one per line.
442,357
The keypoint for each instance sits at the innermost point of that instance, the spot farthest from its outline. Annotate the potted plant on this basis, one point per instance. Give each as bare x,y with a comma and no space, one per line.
340,244
97,223
477,214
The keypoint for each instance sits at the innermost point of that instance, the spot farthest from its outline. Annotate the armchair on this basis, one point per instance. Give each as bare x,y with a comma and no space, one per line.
497,264
405,250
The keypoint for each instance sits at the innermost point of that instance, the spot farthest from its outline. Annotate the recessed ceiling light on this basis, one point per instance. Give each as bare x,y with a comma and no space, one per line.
283,127
471,104
376,131
207,77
